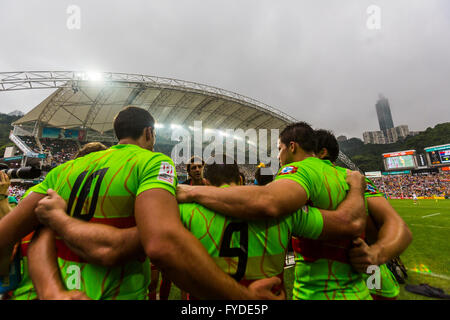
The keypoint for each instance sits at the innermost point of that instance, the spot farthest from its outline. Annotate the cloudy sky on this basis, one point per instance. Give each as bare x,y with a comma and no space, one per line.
315,60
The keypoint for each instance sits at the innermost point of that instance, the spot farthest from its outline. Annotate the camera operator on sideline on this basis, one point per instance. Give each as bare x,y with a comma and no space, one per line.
4,194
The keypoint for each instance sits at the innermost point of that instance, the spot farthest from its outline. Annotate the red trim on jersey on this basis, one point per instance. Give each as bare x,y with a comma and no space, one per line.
312,250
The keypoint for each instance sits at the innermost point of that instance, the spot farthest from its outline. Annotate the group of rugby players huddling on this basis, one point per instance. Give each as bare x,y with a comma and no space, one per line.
92,228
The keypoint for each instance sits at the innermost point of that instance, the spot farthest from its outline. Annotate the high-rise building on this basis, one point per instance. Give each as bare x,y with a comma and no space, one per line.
341,138
387,136
375,137
384,113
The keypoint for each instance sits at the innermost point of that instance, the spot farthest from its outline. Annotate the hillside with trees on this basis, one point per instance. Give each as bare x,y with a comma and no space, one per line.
368,156
5,128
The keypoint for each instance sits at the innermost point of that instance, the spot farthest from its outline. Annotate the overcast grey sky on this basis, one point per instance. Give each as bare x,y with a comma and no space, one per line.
315,60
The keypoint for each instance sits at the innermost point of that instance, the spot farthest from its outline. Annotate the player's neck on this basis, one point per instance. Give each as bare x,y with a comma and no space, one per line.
197,182
301,155
131,141
231,184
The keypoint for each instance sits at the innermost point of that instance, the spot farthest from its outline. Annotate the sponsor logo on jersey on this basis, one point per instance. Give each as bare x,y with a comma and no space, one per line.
288,170
371,189
166,172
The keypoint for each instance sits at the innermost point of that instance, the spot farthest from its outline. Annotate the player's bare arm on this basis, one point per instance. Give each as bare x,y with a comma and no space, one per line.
15,225
44,270
94,242
393,237
175,251
274,200
349,218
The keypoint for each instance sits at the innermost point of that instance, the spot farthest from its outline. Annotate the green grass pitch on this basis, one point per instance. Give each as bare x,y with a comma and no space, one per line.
428,256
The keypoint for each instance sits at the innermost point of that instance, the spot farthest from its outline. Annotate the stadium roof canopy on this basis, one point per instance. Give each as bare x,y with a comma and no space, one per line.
91,100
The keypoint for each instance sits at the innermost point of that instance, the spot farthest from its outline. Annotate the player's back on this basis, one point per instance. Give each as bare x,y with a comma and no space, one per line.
323,270
101,187
246,250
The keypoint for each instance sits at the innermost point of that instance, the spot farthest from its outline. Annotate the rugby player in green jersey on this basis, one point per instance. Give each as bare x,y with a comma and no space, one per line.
127,185
25,289
251,250
387,235
302,179
265,259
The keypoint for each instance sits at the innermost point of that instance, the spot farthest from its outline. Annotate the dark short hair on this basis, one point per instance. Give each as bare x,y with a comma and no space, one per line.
326,139
192,160
89,148
262,179
131,121
218,174
301,133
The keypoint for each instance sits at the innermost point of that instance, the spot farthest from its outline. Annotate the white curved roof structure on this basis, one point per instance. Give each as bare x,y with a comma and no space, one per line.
90,101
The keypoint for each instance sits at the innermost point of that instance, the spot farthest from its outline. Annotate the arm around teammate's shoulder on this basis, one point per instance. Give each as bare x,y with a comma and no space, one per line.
274,200
177,253
394,235
349,218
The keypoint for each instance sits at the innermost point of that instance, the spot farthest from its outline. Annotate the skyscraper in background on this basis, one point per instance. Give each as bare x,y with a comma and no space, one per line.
384,114
388,133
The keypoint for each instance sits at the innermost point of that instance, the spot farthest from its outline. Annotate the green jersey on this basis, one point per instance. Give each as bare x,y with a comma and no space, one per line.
249,250
102,187
322,270
389,287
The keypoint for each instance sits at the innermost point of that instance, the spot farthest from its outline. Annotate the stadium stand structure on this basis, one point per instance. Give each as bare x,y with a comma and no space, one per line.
86,103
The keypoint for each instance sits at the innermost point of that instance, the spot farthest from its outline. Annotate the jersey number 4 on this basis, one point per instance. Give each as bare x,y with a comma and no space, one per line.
82,197
242,252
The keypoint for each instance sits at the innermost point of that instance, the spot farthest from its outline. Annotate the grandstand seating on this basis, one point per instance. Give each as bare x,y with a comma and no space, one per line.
404,186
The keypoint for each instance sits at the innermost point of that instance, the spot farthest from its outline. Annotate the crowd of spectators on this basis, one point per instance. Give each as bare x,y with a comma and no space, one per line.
31,143
58,150
393,186
17,190
405,186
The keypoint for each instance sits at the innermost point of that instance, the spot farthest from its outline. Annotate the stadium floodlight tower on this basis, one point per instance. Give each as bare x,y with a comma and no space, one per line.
87,102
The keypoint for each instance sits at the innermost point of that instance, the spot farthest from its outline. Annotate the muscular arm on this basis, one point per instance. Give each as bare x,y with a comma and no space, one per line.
44,270
274,200
15,225
98,243
94,242
392,239
42,264
394,235
177,253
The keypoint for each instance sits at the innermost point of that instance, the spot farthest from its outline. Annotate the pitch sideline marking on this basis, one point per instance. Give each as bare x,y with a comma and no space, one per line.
430,215
432,274
423,225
